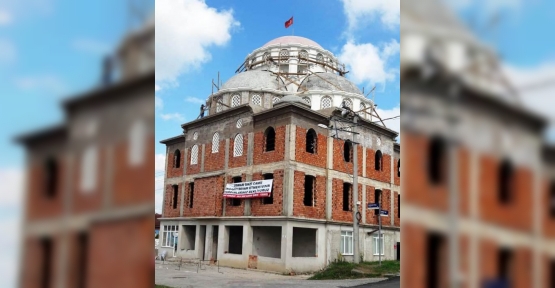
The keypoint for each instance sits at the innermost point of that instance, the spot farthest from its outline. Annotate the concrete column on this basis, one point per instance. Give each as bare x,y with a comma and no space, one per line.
537,267
292,141
474,172
288,185
183,188
226,161
287,241
363,207
392,212
247,211
208,243
247,242
329,182
164,185
250,148
108,173
363,160
202,159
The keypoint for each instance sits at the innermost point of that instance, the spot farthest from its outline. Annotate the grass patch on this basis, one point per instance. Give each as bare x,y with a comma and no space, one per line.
344,270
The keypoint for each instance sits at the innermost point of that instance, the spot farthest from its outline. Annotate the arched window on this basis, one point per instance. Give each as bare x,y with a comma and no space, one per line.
275,99
194,155
303,56
89,166
505,181
51,177
399,168
436,160
216,143
326,102
238,145
378,161
137,143
311,140
320,58
235,100
551,202
347,151
284,55
348,102
256,100
307,100
269,139
176,159
219,105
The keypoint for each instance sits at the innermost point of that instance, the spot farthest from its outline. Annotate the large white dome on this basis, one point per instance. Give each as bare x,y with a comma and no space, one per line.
288,40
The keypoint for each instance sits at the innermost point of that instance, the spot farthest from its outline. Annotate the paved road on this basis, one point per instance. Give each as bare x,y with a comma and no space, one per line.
390,283
188,277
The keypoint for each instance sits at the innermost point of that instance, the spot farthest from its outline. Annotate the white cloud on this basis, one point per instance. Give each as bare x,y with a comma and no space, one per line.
361,12
158,102
8,52
91,46
11,190
195,100
393,124
185,30
173,116
157,88
369,64
159,171
48,83
536,86
5,17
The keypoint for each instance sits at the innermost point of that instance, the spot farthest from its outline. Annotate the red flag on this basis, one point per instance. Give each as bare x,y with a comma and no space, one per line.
289,22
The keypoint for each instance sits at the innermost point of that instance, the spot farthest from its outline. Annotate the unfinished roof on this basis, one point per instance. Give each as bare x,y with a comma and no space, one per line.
253,79
329,82
287,40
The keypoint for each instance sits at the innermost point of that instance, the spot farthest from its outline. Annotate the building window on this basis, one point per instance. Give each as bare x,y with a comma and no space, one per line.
320,58
194,155
311,140
326,102
348,103
346,243
137,143
436,160
504,258
269,139
377,199
169,238
175,193
307,100
256,100
215,143
378,244
309,187
284,55
89,169
191,194
552,199
219,105
266,57
378,165
235,100
51,177
238,145
303,56
83,245
505,182
399,168
347,190
269,200
176,158
399,206
347,151
236,201
195,136
239,123
275,99
46,274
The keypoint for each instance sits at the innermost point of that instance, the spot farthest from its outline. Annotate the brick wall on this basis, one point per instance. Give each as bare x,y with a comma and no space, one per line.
275,209
261,157
337,212
171,170
39,206
194,169
548,220
235,210
33,261
238,161
207,198
317,159
339,163
168,210
319,209
383,175
214,161
396,218
396,177
386,205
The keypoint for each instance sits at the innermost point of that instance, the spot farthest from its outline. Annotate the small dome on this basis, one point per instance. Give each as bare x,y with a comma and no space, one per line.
285,40
291,99
324,81
252,79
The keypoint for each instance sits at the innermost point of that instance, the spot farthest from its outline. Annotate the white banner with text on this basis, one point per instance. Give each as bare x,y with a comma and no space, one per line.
253,189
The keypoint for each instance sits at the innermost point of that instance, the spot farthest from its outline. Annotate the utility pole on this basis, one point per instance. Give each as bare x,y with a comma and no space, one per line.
380,248
355,196
453,189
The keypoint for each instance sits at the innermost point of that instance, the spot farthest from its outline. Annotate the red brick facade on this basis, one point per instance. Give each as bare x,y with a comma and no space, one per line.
278,154
258,208
317,159
317,211
214,161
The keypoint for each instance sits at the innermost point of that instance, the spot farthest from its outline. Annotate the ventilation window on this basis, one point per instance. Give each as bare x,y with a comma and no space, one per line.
306,100
320,58
378,159
175,193
269,139
348,103
303,56
267,57
284,55
326,102
195,136
275,99
177,159
256,100
51,171
269,200
215,143
235,100
552,199
347,151
191,194
505,181
311,139
309,186
239,123
219,104
238,145
347,188
236,201
436,160
377,199
194,155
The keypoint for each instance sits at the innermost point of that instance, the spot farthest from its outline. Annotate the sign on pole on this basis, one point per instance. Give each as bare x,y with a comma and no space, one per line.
384,213
373,206
253,189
